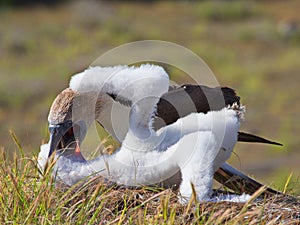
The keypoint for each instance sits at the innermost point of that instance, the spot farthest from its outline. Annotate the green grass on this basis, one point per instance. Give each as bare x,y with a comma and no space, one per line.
226,11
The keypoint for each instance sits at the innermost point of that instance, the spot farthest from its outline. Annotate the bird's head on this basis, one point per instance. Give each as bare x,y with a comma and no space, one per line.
70,115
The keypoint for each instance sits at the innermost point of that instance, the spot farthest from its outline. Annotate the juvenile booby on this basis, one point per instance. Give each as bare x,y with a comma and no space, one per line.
181,101
140,168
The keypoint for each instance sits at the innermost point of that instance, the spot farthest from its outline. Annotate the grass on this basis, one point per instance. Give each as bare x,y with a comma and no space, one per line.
226,11
30,196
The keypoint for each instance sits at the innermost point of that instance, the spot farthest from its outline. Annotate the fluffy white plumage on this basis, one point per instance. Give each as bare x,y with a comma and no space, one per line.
196,145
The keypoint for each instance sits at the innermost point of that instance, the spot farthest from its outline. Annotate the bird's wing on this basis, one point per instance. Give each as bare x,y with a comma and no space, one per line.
181,101
239,182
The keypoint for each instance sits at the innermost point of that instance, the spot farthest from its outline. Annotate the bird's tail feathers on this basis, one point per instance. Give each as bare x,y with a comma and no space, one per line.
246,137
239,182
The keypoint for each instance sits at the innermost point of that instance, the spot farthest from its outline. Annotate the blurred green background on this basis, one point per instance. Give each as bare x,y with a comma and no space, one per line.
252,46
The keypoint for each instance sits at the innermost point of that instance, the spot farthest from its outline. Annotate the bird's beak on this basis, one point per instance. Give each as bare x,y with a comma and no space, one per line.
58,135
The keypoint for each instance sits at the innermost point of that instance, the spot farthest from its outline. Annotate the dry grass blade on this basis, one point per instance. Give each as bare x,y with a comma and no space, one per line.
16,141
246,205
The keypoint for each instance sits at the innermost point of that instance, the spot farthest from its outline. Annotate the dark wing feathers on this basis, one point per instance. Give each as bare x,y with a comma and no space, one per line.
182,101
239,182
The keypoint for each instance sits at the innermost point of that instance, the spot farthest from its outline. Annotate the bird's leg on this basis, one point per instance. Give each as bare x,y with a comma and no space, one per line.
195,182
198,168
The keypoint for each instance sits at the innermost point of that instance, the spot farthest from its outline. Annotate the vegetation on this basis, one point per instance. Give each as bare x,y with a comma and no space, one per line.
244,42
29,196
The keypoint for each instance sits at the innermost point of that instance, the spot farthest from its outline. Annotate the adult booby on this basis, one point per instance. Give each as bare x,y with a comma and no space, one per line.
160,152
